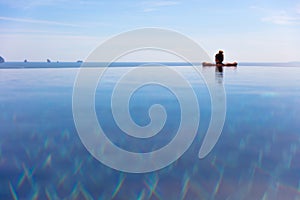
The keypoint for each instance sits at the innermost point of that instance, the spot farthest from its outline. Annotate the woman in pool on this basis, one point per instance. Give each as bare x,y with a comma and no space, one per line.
219,58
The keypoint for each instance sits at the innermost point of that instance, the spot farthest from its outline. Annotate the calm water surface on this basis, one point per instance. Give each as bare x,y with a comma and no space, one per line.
257,156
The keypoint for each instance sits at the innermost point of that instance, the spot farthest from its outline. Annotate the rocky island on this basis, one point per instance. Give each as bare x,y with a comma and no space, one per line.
2,60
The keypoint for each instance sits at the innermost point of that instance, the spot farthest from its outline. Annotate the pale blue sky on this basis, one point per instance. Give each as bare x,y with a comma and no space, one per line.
68,30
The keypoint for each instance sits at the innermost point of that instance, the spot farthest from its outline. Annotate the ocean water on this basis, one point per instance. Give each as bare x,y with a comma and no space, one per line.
256,157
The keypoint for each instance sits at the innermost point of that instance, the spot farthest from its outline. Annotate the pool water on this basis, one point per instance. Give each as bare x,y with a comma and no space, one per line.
257,155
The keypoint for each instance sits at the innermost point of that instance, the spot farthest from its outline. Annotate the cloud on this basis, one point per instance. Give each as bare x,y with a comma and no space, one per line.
298,9
149,6
33,4
35,32
27,4
282,19
165,3
34,21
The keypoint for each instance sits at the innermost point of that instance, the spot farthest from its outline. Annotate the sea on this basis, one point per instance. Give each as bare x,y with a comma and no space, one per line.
43,153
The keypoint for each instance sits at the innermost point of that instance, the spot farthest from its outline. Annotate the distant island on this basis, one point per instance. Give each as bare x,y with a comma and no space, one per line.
2,60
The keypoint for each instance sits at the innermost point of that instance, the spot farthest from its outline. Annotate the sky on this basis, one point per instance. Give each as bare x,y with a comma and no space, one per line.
69,30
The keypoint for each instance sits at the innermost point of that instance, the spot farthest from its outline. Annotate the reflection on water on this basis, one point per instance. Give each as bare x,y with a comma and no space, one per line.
257,156
219,75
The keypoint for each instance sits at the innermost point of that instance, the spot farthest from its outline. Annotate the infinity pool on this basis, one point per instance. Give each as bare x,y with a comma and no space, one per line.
256,157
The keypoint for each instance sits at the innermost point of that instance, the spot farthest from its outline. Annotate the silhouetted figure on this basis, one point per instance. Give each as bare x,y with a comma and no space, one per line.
219,58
